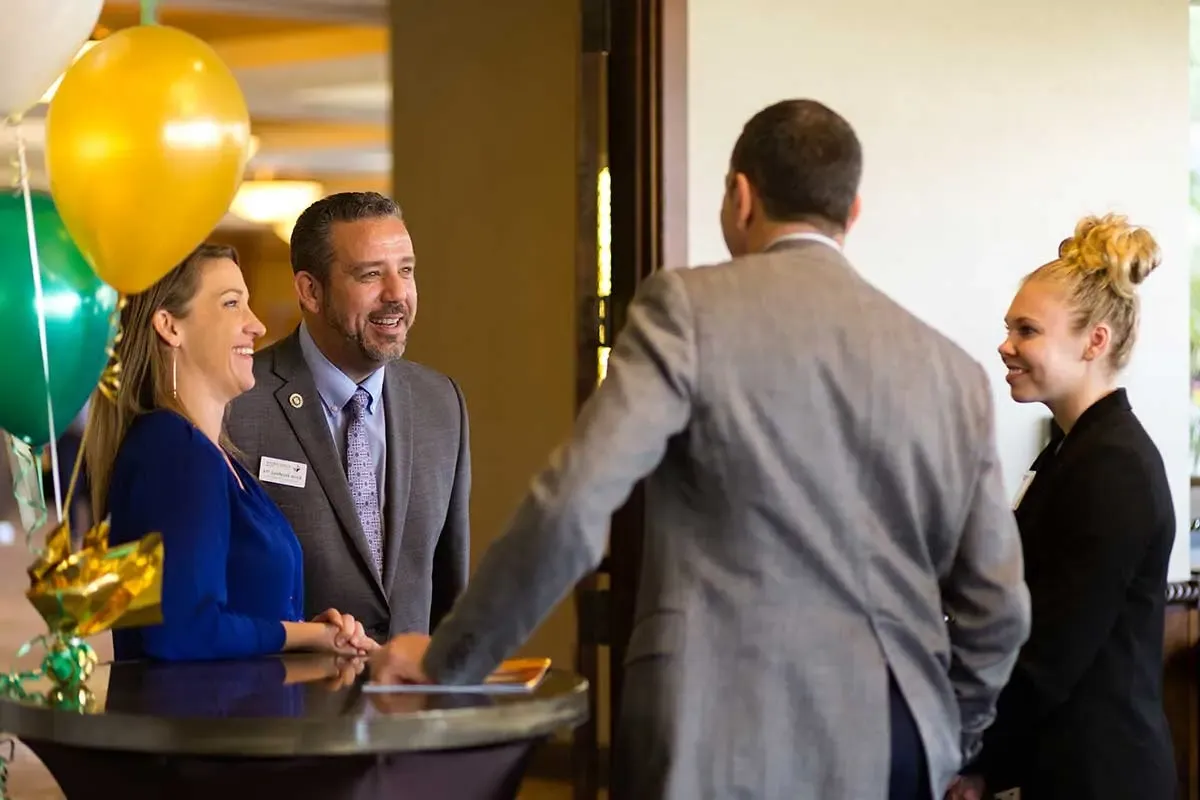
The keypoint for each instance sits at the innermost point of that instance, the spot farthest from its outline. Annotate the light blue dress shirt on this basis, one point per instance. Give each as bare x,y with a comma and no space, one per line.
336,388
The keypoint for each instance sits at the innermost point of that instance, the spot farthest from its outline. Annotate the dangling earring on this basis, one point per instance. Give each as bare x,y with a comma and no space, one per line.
174,373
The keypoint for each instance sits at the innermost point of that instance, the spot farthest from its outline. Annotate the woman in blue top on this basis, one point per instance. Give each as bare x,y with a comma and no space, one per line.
159,461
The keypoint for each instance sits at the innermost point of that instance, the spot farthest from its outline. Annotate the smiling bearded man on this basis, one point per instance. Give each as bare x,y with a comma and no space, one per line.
335,418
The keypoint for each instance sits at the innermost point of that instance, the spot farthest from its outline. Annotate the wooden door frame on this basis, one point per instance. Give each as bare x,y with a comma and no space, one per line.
633,118
647,155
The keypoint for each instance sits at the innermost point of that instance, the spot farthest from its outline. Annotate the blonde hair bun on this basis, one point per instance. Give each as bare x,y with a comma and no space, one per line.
1125,253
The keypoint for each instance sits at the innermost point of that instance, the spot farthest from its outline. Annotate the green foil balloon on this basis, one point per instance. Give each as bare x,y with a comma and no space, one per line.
78,310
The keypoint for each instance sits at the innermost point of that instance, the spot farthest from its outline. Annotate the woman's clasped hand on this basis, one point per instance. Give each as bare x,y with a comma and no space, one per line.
347,635
330,632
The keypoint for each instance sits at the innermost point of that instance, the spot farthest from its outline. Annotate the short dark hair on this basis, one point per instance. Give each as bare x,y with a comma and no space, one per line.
803,159
312,251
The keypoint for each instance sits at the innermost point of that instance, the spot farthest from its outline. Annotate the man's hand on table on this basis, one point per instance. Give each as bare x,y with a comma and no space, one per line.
966,787
399,661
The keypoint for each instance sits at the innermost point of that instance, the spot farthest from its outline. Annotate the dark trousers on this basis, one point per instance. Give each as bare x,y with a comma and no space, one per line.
909,778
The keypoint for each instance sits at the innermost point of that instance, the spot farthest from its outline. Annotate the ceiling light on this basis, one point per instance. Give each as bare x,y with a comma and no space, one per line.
275,203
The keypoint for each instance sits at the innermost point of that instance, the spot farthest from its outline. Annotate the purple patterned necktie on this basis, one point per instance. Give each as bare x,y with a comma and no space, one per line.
360,473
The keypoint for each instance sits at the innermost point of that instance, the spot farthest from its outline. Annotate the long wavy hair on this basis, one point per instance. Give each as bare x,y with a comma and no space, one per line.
145,367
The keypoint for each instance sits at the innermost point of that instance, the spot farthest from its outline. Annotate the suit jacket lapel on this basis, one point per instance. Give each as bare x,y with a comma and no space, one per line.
398,464
312,431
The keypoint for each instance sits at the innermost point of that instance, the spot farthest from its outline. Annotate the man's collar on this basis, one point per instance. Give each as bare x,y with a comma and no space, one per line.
803,236
335,386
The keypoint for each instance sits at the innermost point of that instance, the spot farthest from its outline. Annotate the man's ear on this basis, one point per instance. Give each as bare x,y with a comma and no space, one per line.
308,291
855,210
741,196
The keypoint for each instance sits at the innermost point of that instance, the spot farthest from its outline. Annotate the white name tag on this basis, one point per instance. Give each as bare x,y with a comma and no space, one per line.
285,473
1021,490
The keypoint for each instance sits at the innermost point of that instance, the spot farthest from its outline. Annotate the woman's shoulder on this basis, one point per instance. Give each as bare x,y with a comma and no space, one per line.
162,436
1123,437
1121,453
165,468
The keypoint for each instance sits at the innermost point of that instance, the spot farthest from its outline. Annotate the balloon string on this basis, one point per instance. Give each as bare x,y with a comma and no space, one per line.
149,12
66,516
39,302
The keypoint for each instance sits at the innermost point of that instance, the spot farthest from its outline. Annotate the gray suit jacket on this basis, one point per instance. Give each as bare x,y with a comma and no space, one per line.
427,487
823,492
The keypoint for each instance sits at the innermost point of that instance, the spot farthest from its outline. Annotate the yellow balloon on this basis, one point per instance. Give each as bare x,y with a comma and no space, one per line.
147,139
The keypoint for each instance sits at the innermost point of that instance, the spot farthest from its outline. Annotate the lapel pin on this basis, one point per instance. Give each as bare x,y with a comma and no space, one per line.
296,400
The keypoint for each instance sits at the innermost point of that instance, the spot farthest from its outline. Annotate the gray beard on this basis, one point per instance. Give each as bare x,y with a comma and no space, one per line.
359,340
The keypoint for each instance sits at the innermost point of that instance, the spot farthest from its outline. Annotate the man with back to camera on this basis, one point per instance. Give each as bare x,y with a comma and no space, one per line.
366,453
832,594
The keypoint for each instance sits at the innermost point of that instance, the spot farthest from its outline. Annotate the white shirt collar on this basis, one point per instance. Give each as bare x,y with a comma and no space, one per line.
806,236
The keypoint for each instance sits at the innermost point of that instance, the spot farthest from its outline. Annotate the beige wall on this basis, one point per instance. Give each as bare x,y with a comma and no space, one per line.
484,134
988,129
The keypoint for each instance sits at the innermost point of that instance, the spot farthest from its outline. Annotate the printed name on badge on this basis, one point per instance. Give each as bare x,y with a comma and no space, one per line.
282,472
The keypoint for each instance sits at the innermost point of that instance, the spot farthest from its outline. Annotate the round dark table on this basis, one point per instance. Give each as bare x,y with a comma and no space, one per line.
300,726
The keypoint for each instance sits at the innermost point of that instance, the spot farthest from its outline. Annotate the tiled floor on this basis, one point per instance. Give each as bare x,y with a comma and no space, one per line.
28,779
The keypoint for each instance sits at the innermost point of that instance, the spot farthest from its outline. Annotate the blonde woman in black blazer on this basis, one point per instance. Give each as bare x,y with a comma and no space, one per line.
1082,716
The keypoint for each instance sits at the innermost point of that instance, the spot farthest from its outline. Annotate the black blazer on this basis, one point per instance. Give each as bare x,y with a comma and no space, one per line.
1082,717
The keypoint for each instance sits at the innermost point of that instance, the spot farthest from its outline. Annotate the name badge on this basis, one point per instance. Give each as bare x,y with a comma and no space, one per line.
1020,495
285,473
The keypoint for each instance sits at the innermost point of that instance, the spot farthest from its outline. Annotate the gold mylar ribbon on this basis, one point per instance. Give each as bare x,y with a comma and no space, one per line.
97,588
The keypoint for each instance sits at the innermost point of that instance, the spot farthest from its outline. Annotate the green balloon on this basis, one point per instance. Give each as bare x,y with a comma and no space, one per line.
78,313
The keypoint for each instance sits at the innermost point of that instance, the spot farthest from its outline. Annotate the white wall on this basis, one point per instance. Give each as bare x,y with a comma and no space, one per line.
988,129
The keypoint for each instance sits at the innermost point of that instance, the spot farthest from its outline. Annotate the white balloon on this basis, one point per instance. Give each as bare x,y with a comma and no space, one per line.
38,41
